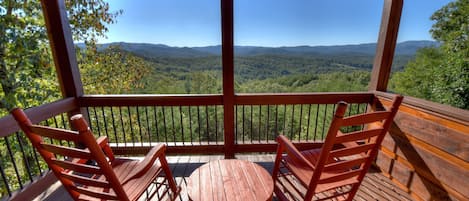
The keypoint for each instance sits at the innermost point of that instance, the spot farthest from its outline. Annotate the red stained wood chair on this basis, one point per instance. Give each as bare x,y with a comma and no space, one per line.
94,173
334,171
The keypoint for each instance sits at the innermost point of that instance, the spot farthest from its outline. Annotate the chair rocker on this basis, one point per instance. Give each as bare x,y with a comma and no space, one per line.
336,170
92,172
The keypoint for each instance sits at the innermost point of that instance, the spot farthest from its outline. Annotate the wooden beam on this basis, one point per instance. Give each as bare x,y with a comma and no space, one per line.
386,45
228,74
61,41
63,50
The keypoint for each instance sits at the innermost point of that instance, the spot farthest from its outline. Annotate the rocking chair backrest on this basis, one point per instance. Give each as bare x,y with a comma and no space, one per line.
75,167
346,157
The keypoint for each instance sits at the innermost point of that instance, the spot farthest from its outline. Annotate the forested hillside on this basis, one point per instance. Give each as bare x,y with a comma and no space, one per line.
261,69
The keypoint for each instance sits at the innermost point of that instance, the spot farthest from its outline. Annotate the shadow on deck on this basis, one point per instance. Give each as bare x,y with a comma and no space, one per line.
375,186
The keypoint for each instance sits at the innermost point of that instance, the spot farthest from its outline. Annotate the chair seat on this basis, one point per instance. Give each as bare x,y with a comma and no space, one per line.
135,187
336,170
304,174
107,177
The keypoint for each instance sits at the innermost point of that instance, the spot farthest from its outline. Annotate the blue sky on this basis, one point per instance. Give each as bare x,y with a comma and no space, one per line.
265,22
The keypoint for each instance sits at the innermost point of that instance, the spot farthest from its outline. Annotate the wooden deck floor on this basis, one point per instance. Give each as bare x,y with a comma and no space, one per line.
374,187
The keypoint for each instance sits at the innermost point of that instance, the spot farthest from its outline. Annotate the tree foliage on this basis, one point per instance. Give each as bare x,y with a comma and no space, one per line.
111,71
27,76
441,74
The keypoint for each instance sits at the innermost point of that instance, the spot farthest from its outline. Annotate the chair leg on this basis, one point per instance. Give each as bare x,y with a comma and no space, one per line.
278,158
169,176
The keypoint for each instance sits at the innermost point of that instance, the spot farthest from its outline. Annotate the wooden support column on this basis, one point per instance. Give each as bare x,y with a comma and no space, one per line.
386,45
228,75
63,50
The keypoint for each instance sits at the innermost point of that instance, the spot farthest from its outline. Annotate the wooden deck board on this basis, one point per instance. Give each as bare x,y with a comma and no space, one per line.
375,186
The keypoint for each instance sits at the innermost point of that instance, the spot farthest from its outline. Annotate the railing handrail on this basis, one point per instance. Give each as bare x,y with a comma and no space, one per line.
150,100
50,110
437,109
38,114
217,99
302,98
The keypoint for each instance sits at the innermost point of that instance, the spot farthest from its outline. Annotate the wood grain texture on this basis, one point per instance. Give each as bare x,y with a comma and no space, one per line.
387,38
427,152
232,179
63,49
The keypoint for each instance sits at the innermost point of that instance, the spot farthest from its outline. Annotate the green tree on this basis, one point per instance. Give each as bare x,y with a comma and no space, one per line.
452,29
417,78
26,68
441,74
112,71
27,74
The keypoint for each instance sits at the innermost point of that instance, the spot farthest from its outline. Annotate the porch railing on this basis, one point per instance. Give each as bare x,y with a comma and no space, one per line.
189,124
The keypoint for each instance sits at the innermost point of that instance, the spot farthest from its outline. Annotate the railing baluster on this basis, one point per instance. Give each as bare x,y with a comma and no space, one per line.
276,120
97,121
207,122
316,124
164,125
252,121
309,121
36,158
190,126
183,139
147,126
89,118
56,124
267,127
26,161
4,177
15,167
260,121
216,124
236,124
243,125
174,126
46,123
292,119
198,123
155,113
114,127
123,128
64,125
139,125
284,119
358,112
324,122
105,122
181,127
301,117
132,134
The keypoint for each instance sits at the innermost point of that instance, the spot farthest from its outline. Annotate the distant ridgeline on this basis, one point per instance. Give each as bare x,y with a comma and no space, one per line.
253,63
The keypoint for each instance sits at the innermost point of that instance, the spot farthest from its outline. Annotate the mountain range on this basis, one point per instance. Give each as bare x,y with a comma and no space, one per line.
368,49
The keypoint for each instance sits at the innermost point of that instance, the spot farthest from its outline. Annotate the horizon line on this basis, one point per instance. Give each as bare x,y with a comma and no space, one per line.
283,46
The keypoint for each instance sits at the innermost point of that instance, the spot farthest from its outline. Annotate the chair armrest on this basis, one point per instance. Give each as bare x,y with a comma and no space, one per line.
292,151
103,142
144,165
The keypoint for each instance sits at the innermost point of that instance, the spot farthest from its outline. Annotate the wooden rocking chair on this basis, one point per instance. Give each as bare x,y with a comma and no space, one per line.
334,171
93,173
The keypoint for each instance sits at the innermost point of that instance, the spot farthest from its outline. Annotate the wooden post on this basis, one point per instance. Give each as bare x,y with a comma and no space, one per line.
63,50
228,75
386,45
